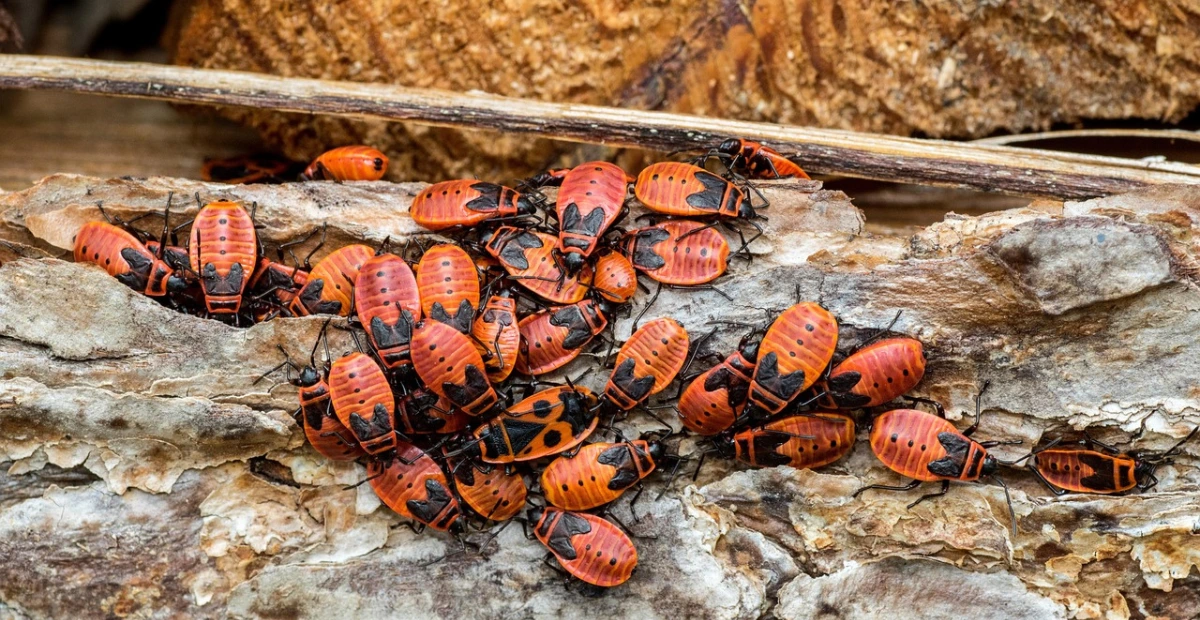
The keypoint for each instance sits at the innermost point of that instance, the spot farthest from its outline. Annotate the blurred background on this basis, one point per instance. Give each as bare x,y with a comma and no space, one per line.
951,70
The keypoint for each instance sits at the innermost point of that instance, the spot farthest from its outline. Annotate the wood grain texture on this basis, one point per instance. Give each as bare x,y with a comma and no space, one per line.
991,168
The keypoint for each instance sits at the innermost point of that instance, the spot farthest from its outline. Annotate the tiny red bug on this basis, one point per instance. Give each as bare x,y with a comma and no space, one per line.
363,402
599,473
245,169
449,286
714,400
330,286
804,441
497,336
591,199
678,252
493,493
588,547
348,163
647,363
450,365
124,257
615,279
549,422
876,374
792,355
755,160
1104,471
467,203
531,259
927,447
422,412
224,252
550,339
414,486
388,305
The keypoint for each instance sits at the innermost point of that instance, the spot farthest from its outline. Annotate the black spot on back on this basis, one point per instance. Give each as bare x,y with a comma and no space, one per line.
708,199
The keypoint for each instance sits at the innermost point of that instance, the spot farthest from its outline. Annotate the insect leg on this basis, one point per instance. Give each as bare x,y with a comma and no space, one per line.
938,493
886,487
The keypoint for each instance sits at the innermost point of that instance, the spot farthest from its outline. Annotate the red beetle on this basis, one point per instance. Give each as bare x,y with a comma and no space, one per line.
363,402
876,374
792,355
450,365
588,547
348,163
684,190
125,258
549,422
755,160
414,486
497,336
804,441
1104,470
224,252
615,279
330,286
647,363
550,339
600,473
678,252
466,203
714,400
590,200
388,305
448,286
530,258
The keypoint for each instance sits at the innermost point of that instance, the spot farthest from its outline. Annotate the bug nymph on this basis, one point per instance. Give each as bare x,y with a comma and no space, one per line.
1103,470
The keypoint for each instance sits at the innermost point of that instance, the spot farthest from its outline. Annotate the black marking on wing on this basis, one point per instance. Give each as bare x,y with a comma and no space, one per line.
513,255
766,444
416,408
475,385
844,381
437,497
644,255
786,386
488,199
377,426
951,465
392,336
522,433
1102,478
708,199
138,264
634,388
569,526
315,414
571,317
575,412
620,458
310,297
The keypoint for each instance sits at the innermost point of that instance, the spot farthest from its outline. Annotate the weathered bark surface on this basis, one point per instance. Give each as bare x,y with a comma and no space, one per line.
940,68
150,475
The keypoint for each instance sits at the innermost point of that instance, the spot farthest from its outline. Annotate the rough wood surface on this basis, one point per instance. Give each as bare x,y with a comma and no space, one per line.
992,168
941,68
153,478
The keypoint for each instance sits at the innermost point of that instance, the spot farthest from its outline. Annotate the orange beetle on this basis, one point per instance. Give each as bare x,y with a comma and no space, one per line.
348,163
330,286
321,427
550,339
684,190
1104,470
466,203
588,547
876,374
497,336
224,252
549,422
449,286
388,305
927,447
414,486
450,365
590,200
615,279
678,252
712,402
363,402
125,258
804,441
421,412
792,355
755,160
599,473
531,259
647,363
